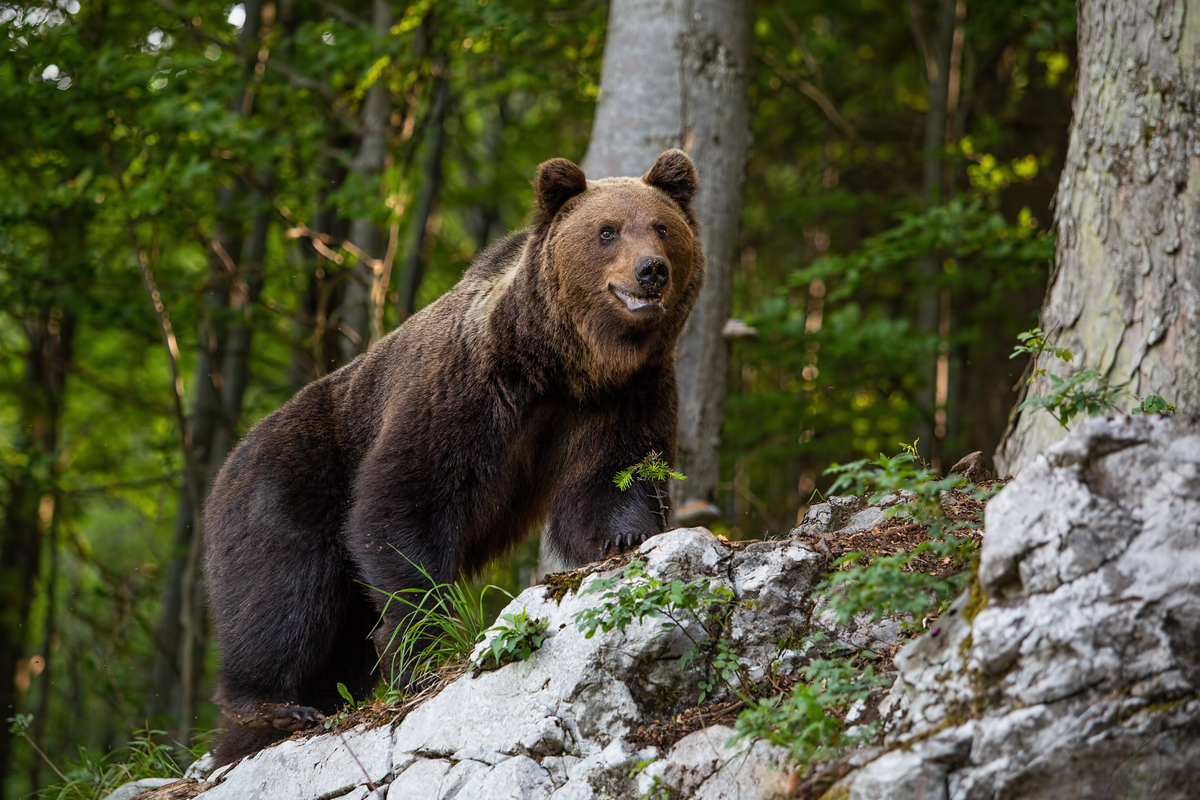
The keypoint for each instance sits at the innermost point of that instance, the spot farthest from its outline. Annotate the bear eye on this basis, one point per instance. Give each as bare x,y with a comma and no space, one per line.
607,234
661,230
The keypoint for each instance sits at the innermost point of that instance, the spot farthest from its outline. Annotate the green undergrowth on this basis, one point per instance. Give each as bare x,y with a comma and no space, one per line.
93,775
808,721
893,584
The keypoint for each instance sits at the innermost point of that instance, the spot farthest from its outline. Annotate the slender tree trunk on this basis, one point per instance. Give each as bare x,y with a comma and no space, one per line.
484,216
41,729
368,164
1125,292
676,74
937,53
177,667
431,185
30,506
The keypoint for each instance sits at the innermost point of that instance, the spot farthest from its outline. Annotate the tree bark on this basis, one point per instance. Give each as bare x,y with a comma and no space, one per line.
431,186
1125,292
676,74
937,64
368,164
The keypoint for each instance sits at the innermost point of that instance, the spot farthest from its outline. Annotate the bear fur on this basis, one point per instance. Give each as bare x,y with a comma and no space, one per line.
510,402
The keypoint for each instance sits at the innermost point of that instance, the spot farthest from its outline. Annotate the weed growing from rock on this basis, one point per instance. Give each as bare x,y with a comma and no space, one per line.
514,639
443,625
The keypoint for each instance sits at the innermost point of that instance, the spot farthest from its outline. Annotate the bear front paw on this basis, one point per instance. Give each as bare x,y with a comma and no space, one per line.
284,717
623,541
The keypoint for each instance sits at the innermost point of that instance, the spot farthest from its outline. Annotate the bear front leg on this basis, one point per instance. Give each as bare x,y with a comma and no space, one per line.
590,517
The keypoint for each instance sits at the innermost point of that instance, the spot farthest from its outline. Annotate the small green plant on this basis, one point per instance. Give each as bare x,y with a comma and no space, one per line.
654,471
634,595
343,714
806,722
443,624
886,584
1154,405
513,640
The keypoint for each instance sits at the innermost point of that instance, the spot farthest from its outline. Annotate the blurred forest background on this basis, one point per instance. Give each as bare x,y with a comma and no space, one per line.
205,206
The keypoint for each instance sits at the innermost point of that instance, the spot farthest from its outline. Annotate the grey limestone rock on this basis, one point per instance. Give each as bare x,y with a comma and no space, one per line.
128,790
321,766
1080,676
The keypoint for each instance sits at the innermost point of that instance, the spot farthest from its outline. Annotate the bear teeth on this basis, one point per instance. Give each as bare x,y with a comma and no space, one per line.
633,303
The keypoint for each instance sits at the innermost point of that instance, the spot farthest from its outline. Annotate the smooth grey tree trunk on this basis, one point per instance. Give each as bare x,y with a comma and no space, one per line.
413,267
676,74
1125,293
368,163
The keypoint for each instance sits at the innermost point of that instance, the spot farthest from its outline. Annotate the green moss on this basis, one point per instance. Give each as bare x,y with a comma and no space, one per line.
964,649
837,793
978,600
568,584
796,639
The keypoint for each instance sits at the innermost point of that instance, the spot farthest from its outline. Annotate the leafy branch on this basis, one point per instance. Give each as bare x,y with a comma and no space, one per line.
654,471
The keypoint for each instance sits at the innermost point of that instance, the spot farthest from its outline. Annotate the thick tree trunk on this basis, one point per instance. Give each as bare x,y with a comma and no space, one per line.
676,74
1125,294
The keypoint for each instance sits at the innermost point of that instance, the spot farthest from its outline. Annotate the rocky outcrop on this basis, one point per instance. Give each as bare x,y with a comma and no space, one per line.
1079,677
1071,668
560,724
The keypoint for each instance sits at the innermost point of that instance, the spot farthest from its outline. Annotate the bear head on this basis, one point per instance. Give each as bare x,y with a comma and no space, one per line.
623,255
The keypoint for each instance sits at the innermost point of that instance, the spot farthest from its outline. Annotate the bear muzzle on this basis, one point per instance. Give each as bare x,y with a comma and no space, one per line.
652,274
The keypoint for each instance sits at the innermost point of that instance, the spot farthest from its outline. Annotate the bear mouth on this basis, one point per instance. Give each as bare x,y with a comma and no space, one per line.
637,303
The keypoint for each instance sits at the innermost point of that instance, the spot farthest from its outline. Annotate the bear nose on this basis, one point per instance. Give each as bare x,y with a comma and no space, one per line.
651,273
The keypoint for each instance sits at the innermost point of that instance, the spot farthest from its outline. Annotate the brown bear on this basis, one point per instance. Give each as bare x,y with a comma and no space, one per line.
512,400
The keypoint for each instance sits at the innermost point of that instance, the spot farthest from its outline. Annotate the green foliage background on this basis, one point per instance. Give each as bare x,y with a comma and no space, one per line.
125,120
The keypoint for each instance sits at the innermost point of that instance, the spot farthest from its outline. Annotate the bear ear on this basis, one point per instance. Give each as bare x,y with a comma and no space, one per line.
557,181
675,174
